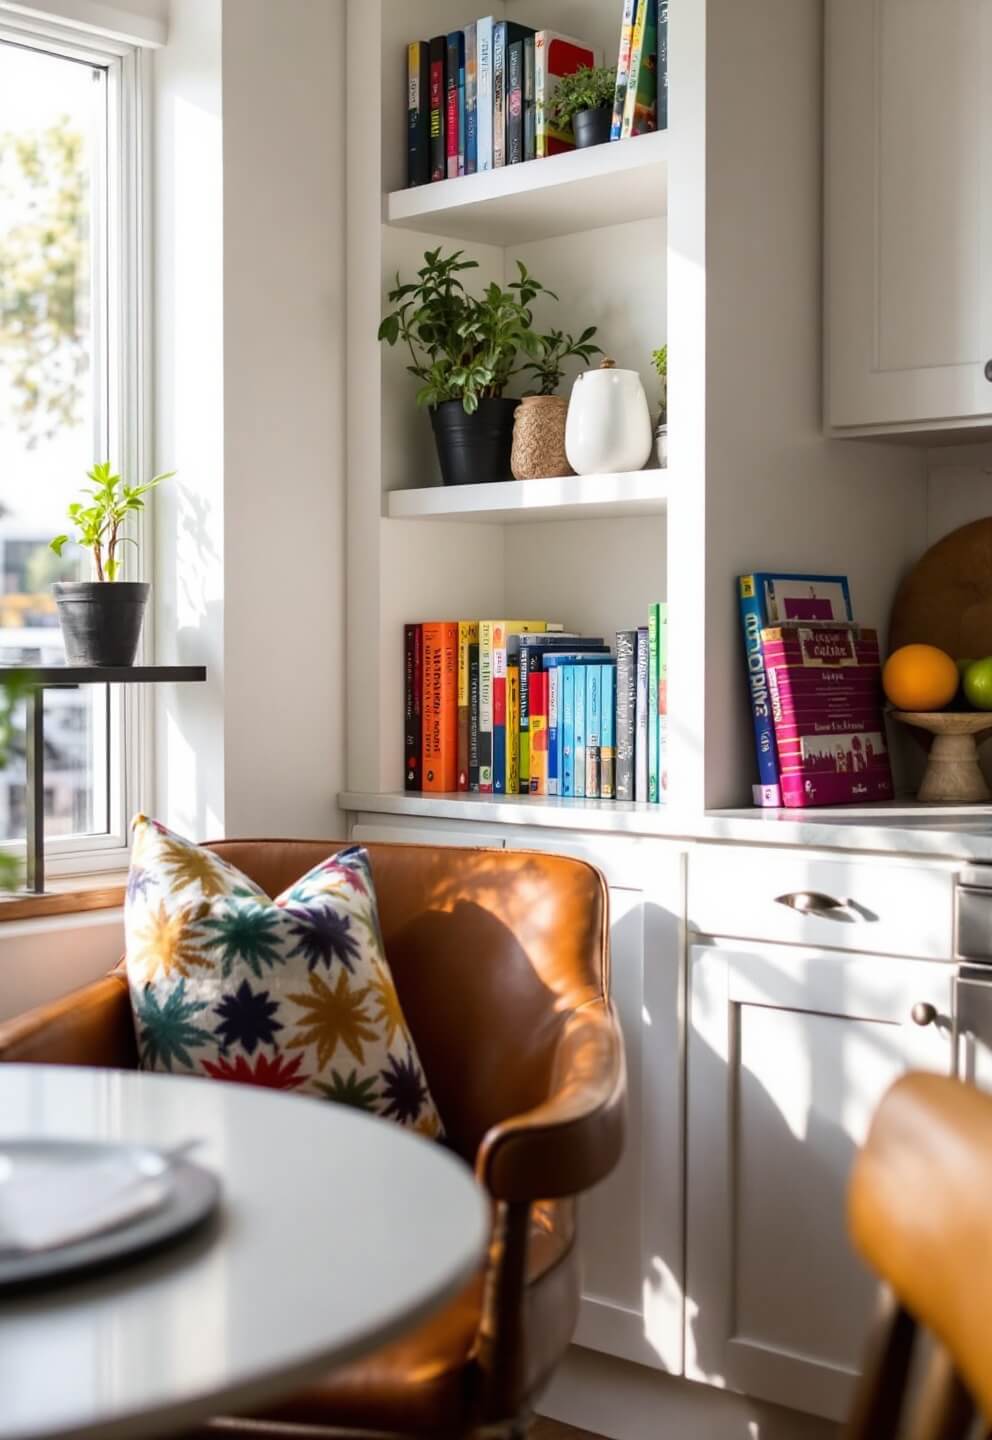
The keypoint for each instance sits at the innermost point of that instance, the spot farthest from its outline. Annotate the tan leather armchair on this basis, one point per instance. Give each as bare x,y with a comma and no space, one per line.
501,961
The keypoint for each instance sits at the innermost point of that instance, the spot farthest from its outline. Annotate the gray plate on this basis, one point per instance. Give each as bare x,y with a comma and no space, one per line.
191,1196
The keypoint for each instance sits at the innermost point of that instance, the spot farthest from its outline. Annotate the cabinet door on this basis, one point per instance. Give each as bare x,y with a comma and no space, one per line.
789,1055
630,1227
909,206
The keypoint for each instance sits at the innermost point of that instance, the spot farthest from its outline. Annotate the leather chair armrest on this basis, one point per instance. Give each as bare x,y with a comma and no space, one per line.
574,1138
91,1026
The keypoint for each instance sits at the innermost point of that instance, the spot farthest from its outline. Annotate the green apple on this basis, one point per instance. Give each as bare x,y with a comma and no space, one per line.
978,684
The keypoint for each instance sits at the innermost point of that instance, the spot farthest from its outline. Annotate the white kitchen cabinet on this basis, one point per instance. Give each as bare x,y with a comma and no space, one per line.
630,1230
789,1052
909,212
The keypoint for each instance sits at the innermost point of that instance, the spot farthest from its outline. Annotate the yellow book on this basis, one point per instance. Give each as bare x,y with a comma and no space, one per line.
512,729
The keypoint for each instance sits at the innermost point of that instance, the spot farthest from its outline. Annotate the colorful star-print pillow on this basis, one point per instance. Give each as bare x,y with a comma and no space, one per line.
293,993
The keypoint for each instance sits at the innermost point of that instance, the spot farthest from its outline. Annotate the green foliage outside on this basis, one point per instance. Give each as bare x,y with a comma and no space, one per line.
44,279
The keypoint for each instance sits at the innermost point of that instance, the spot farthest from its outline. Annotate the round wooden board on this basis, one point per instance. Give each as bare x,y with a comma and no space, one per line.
946,599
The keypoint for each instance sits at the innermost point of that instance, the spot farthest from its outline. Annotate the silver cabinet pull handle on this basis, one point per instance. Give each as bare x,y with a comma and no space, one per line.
813,902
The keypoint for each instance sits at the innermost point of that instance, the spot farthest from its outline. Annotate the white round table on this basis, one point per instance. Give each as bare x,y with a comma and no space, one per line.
337,1232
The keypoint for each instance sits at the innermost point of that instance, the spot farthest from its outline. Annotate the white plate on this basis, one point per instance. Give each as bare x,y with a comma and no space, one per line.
153,1198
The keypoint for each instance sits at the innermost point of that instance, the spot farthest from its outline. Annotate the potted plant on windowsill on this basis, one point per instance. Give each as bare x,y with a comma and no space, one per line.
464,350
101,619
583,103
539,428
660,358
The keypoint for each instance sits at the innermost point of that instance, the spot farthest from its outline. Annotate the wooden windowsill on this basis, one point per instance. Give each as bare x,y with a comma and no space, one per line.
67,895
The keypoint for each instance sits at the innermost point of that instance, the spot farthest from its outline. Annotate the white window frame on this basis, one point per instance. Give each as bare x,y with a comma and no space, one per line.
127,425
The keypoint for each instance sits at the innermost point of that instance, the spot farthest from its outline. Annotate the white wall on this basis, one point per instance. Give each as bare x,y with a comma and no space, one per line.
959,487
41,960
250,550
140,22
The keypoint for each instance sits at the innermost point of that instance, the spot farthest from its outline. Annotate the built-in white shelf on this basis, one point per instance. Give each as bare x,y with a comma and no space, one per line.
568,497
582,190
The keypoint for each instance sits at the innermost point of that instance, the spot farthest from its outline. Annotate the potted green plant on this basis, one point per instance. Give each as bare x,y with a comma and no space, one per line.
660,358
465,349
583,103
539,428
101,619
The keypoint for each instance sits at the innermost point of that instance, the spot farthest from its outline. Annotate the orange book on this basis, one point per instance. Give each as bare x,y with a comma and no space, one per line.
440,708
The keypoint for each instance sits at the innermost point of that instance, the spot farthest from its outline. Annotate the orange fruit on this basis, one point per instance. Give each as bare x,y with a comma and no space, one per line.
920,677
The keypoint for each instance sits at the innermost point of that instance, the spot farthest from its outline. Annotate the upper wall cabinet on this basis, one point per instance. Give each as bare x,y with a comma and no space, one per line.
909,214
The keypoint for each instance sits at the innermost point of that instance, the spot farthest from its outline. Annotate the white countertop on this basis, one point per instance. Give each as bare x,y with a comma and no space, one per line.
894,827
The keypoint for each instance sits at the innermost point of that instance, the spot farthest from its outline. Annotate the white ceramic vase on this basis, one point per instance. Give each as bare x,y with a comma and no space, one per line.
609,424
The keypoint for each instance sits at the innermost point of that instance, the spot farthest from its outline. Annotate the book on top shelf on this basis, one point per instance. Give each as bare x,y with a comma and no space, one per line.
767,599
515,104
471,99
484,105
662,64
418,113
438,102
623,67
530,111
555,55
454,115
640,113
506,33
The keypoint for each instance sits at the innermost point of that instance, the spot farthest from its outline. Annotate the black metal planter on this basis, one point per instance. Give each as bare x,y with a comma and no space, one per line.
101,621
474,449
592,127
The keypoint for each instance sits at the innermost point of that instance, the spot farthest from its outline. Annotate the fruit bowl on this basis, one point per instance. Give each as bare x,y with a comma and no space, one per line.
953,775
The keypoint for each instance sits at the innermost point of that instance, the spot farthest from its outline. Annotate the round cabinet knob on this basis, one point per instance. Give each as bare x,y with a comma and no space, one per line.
924,1013
988,369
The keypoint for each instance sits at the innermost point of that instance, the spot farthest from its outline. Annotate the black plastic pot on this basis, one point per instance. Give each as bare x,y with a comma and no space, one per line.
474,449
101,621
592,127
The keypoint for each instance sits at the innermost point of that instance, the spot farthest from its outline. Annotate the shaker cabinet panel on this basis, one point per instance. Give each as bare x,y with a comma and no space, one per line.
909,201
789,1055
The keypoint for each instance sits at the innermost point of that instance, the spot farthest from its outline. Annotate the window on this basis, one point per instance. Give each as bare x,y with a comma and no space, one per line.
70,368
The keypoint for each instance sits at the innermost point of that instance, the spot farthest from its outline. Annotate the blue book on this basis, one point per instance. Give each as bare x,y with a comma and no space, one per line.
607,702
567,729
484,102
768,599
455,104
594,731
471,98
579,723
462,114
554,701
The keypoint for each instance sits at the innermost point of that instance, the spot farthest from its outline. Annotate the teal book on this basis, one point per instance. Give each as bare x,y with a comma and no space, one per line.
567,729
579,723
594,732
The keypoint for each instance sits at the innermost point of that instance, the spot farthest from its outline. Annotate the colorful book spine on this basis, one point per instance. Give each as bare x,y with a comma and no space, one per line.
455,86
662,700
623,67
554,693
662,64
626,708
513,723
515,104
530,111
554,57
831,601
641,728
594,732
471,98
539,733
579,724
473,718
440,746
499,707
413,679
439,50
640,116
568,730
499,94
484,116
468,635
608,770
654,637
485,707
418,79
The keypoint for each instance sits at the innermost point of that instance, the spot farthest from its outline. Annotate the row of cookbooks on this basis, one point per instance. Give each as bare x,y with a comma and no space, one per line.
525,707
815,682
478,98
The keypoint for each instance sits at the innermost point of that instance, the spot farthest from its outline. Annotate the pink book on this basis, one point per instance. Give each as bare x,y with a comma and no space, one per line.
835,769
819,648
